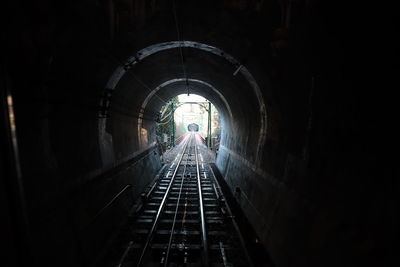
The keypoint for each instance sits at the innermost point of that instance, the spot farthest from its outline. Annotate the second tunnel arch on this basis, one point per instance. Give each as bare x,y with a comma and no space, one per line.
138,57
221,104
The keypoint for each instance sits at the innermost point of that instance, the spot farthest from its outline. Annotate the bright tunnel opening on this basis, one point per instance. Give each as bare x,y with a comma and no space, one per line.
183,114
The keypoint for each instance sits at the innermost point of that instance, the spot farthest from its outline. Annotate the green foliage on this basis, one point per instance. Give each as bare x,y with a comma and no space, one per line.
165,128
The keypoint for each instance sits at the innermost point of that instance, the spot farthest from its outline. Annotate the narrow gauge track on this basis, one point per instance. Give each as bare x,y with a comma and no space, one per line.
184,220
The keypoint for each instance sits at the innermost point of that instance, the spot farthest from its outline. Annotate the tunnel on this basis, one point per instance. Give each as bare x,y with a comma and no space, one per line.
301,139
213,69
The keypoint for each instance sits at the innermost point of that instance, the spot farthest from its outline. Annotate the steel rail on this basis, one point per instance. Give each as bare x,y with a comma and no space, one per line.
149,237
176,212
203,221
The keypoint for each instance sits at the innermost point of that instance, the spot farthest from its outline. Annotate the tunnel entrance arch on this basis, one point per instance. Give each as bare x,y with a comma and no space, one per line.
105,140
226,118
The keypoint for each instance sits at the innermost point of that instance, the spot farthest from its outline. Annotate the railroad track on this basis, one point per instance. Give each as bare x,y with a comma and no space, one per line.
184,220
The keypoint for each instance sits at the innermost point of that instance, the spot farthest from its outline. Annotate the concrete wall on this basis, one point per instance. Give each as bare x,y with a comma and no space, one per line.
313,190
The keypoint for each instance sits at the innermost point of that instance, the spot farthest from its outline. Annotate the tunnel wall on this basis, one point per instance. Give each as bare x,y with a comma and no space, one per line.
316,195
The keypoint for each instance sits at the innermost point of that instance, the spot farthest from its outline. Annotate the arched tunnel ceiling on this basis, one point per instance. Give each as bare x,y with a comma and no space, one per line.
154,74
